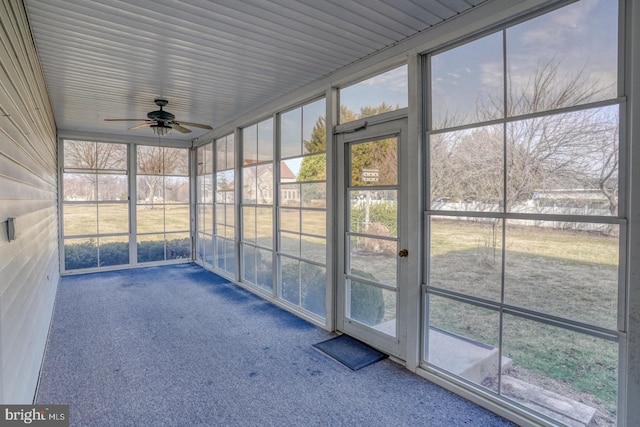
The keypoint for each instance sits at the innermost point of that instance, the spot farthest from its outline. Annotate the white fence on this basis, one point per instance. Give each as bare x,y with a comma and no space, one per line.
532,209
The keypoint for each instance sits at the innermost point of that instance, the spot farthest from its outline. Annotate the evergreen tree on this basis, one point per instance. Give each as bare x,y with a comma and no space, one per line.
381,155
318,141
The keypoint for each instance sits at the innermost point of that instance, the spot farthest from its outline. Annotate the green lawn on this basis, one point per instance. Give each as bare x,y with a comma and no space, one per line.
113,218
569,274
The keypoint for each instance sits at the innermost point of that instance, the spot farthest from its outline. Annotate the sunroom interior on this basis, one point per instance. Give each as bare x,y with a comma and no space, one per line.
452,183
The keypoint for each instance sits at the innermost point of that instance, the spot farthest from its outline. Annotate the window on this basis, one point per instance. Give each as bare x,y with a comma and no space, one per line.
204,203
523,222
376,95
163,221
257,204
95,208
302,208
225,210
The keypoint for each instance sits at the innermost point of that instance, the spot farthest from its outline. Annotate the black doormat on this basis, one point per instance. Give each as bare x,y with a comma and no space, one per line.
350,352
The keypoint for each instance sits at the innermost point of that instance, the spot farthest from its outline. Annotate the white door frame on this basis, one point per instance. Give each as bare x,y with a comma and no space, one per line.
384,125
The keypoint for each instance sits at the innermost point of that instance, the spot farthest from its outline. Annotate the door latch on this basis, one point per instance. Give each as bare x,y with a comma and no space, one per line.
403,253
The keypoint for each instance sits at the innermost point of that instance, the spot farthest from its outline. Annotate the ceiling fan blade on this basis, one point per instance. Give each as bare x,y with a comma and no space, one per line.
144,125
124,120
180,128
196,125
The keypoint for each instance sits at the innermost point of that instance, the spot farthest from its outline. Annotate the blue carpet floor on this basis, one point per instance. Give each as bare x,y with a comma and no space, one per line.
180,346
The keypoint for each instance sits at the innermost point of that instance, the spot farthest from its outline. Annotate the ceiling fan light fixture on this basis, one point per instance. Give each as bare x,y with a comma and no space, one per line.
160,129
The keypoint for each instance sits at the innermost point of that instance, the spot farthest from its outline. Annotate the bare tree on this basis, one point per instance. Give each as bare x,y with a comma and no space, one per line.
264,184
94,161
95,155
548,90
86,159
573,150
608,162
155,162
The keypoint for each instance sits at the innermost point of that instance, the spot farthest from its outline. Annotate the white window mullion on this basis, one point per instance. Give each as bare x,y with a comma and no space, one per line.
133,202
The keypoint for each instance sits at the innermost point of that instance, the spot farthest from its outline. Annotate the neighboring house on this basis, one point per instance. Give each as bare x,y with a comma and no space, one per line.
257,185
290,194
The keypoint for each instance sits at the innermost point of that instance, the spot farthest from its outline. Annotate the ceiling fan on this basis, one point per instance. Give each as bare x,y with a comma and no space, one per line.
161,122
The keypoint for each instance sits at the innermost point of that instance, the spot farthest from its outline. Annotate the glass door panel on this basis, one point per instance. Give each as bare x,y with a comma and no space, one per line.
369,233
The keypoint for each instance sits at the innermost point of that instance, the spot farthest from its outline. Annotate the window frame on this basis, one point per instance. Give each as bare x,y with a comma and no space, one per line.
617,334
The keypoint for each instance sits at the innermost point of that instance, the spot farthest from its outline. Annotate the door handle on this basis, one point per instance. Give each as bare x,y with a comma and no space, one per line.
403,253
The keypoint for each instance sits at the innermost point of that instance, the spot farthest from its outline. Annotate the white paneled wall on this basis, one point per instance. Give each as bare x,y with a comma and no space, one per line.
29,271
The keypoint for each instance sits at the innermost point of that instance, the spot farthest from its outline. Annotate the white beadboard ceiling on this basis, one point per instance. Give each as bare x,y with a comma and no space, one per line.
213,60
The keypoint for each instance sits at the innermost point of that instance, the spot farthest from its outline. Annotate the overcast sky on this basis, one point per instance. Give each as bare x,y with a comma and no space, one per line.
581,36
389,87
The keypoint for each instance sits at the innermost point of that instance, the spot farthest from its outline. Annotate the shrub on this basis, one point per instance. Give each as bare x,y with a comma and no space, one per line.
151,251
80,255
179,248
115,253
383,213
314,288
374,245
154,250
309,278
290,282
85,255
367,302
